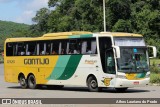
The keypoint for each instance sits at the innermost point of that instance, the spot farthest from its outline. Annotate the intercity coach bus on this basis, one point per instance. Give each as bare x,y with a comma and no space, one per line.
95,60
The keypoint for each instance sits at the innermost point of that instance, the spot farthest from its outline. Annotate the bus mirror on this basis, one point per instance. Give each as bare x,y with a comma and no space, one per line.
117,51
152,51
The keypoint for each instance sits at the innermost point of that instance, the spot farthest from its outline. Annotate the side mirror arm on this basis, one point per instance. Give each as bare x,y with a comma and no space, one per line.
117,51
154,51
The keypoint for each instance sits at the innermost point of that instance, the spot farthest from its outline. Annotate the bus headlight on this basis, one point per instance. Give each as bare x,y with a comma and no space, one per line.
147,75
121,76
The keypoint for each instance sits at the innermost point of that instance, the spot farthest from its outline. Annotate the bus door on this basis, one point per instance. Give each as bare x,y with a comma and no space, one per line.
109,61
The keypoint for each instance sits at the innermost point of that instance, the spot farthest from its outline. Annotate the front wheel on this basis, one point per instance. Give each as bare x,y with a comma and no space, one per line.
32,82
92,84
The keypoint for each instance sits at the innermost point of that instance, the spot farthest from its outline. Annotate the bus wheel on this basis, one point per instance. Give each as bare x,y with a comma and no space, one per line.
23,82
32,82
92,84
121,89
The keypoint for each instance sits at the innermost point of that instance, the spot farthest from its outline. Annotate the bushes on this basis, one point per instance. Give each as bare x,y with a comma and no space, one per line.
155,69
155,78
155,73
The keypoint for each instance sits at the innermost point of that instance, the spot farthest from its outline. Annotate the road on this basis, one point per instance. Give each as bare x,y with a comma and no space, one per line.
12,90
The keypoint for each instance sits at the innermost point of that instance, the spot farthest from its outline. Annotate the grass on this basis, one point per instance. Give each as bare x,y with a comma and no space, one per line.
155,78
154,61
155,71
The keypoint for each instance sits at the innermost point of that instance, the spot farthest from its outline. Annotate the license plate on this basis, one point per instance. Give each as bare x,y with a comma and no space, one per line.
136,83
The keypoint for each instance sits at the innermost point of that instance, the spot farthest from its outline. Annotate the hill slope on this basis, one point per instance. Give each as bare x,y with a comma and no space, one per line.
11,29
7,28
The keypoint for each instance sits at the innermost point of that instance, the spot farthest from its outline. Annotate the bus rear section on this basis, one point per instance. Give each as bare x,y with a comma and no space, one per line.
52,60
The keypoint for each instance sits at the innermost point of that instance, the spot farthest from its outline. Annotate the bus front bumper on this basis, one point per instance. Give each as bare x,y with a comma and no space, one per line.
120,83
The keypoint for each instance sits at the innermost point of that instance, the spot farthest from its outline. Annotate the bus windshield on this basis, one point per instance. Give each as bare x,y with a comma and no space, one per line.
133,60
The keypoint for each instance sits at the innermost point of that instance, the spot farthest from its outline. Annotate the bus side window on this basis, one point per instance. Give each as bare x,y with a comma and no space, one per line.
73,47
63,47
31,48
10,49
79,45
89,46
84,47
48,48
54,47
93,47
41,48
21,49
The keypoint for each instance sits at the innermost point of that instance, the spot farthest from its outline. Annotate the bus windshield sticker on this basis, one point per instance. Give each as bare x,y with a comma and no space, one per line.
135,50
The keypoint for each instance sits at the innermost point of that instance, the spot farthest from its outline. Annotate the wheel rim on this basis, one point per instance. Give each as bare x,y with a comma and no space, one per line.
32,81
93,84
22,81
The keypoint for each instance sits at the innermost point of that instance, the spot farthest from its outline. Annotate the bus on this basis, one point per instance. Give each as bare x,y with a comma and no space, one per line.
79,58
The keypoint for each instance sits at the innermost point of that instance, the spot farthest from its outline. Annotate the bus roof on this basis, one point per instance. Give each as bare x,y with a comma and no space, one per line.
121,34
66,33
74,34
59,35
117,34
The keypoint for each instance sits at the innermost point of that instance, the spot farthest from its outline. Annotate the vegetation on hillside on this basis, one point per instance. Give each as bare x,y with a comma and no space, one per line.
7,28
12,29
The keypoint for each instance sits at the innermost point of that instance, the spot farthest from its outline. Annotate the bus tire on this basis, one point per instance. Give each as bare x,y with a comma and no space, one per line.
121,89
23,82
92,84
32,82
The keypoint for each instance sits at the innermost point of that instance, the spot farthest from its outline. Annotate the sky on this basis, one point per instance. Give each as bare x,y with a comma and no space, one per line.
20,11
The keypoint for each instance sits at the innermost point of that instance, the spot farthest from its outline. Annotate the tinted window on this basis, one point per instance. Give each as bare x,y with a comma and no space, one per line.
31,48
10,49
53,47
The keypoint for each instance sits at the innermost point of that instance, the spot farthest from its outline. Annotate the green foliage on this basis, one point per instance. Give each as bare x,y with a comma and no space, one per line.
41,19
155,78
6,28
11,29
155,66
71,15
155,69
117,10
122,26
154,61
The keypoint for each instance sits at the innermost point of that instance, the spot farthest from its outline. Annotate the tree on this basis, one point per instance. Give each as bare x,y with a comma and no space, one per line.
117,9
41,19
122,26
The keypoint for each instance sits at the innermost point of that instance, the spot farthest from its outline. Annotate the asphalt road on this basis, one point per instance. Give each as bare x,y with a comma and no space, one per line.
12,90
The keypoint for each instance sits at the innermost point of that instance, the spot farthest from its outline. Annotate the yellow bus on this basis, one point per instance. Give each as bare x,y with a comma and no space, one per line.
95,60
